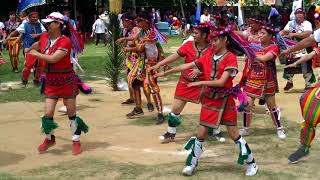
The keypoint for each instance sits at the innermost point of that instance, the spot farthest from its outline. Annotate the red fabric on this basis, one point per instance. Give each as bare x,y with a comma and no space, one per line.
189,94
176,23
261,79
316,59
29,63
209,115
67,89
183,92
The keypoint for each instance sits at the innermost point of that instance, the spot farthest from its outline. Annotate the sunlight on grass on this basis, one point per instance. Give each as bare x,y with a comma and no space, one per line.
26,94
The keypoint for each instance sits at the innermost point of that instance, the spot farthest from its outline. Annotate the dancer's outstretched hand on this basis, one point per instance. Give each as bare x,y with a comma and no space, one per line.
293,65
159,74
199,83
194,73
155,67
284,53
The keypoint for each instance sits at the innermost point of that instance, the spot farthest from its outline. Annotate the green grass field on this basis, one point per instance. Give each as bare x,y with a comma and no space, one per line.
92,61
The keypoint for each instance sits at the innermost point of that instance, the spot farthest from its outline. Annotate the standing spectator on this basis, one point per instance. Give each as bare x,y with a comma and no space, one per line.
205,17
13,43
2,38
31,30
99,29
273,15
155,15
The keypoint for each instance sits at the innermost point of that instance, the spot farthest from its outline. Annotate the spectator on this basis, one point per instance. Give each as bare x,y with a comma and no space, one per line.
155,15
99,29
273,16
205,17
176,24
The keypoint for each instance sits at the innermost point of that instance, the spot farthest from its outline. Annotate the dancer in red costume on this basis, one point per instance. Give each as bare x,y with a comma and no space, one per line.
60,80
262,81
191,51
218,106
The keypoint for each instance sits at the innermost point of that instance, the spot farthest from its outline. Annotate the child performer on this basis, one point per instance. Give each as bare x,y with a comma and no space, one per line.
191,51
262,81
218,105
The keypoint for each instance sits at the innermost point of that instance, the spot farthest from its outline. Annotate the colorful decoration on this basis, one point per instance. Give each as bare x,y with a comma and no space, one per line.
25,4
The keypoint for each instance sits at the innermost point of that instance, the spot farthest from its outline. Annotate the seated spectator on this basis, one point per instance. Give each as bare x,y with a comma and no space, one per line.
176,24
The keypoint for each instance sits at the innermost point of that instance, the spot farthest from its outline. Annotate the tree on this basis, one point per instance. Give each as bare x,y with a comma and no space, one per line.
115,56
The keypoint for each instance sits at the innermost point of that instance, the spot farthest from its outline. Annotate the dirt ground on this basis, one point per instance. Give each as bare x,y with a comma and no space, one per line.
111,135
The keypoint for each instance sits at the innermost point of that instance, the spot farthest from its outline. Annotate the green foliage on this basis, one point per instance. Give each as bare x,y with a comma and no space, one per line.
115,55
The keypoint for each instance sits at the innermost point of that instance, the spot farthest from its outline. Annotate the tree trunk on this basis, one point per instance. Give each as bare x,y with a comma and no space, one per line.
182,10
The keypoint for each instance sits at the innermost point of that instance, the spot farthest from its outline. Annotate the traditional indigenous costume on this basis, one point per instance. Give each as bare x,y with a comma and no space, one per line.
130,56
261,81
218,107
251,37
137,63
310,110
191,53
60,81
150,84
13,44
27,29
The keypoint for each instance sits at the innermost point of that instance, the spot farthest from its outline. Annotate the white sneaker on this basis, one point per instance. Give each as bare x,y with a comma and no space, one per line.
244,132
252,169
218,137
62,109
188,170
281,134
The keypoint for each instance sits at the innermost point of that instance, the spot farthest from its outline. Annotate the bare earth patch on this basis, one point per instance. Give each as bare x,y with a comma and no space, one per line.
121,148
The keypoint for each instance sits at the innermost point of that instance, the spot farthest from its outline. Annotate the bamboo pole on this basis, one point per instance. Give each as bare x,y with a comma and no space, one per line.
115,6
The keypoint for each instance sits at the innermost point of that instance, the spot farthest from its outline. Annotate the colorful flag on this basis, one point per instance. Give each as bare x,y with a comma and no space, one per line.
25,4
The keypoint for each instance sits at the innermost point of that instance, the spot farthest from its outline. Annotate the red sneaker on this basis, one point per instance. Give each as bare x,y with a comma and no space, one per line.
76,148
46,144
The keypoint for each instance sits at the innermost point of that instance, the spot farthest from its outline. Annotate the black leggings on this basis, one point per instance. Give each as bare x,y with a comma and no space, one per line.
100,36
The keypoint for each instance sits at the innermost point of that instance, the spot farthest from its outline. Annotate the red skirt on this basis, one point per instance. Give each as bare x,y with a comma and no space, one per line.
218,110
260,88
61,85
189,94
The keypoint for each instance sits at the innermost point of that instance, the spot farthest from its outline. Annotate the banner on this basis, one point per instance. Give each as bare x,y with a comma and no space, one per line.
25,4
